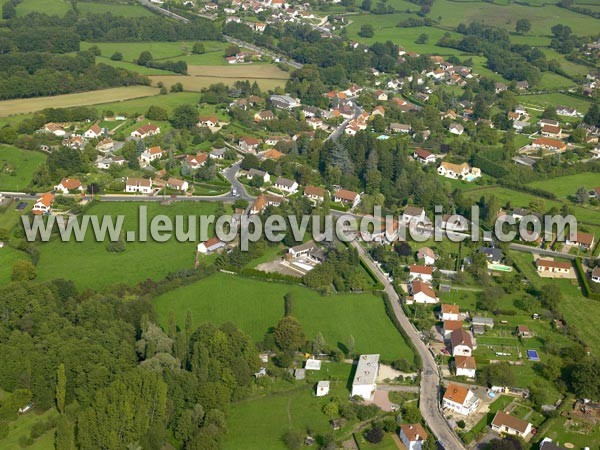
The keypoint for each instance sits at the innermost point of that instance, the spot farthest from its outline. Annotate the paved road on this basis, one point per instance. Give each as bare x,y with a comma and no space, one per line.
158,9
264,51
539,251
429,403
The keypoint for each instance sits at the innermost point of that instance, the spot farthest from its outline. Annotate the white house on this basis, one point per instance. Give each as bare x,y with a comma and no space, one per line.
43,205
465,366
138,185
423,156
450,326
566,111
145,131
55,128
413,436
364,382
424,273
68,184
413,214
177,184
94,132
461,342
322,388
460,399
427,255
212,245
459,171
208,121
315,193
450,312
421,293
151,154
283,184
347,197
249,144
259,174
596,275
456,128
506,424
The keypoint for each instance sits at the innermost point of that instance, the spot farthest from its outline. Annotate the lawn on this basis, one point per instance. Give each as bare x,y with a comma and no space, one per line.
50,7
89,264
550,81
555,99
255,306
17,167
22,427
27,105
565,187
8,256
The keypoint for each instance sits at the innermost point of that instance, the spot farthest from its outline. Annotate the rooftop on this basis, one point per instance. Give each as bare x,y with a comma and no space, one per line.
366,371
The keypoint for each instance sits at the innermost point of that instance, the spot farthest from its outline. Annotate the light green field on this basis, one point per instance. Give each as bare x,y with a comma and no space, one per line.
8,256
565,187
255,306
114,9
141,105
160,50
543,100
505,16
50,7
551,80
89,264
22,427
267,418
568,66
142,70
17,167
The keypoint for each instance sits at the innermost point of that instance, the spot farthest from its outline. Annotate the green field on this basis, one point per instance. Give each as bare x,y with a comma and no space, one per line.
265,419
114,9
50,7
89,264
142,70
505,16
551,80
17,167
22,427
8,256
255,306
564,187
555,99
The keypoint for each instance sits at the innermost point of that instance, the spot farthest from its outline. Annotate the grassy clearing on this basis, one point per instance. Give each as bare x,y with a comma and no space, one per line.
506,16
569,66
89,264
267,418
543,100
142,70
50,7
160,50
27,105
141,105
551,80
17,167
22,427
8,257
565,187
255,306
114,9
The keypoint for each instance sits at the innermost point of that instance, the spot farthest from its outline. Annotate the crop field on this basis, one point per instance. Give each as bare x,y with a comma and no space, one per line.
89,264
505,16
267,76
17,167
27,105
255,306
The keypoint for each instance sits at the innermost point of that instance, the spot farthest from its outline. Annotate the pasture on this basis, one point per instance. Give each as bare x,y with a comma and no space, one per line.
565,187
116,9
142,70
160,50
89,264
28,105
505,16
50,7
140,105
17,167
255,306
8,257
555,99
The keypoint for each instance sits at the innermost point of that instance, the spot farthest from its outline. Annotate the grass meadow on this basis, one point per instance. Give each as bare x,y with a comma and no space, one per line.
255,306
89,264
160,50
565,187
17,167
22,427
555,99
50,7
133,10
29,105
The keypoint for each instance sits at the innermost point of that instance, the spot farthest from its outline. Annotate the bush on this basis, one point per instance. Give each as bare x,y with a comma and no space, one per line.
374,435
117,56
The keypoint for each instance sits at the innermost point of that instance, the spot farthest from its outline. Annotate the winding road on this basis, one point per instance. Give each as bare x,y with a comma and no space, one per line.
429,402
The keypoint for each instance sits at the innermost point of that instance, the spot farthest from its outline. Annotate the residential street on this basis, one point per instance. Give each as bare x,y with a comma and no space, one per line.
430,379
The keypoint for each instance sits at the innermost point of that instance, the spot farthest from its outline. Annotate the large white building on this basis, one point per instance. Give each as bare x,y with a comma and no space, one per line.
364,384
460,399
506,424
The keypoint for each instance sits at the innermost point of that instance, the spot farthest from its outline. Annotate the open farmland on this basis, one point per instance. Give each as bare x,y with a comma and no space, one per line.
27,105
89,264
266,75
555,99
17,167
50,7
255,306
159,50
133,10
565,187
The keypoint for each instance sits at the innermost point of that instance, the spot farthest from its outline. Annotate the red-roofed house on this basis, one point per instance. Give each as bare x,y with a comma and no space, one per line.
347,197
145,131
423,273
424,156
210,246
69,184
43,205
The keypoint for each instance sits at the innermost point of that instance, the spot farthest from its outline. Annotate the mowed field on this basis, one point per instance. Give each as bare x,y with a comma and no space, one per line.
555,99
565,187
255,306
17,167
267,76
160,50
27,105
50,7
89,264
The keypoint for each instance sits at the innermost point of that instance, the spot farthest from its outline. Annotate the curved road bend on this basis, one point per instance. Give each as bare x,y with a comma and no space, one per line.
429,402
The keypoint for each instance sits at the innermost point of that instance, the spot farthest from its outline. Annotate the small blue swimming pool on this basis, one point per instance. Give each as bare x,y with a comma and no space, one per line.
533,355
383,137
